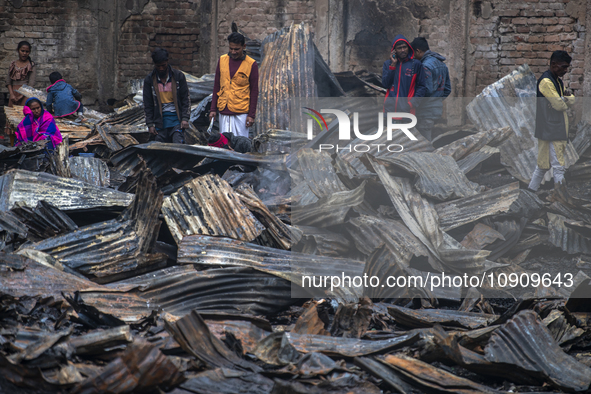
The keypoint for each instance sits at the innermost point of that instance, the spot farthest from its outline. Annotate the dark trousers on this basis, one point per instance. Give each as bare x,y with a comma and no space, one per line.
171,134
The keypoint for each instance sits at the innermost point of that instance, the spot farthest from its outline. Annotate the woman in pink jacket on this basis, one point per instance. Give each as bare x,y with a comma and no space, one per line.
37,125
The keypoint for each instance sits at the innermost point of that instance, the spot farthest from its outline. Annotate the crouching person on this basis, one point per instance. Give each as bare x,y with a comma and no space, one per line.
37,125
552,120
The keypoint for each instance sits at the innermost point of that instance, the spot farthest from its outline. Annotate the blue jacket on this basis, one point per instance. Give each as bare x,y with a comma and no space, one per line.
404,82
62,97
438,85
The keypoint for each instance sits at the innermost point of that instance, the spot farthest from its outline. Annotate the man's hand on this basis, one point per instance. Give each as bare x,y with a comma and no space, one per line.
184,125
152,130
249,121
568,92
12,96
211,115
393,60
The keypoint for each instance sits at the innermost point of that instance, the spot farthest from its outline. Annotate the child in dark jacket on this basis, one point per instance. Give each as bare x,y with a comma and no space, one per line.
62,98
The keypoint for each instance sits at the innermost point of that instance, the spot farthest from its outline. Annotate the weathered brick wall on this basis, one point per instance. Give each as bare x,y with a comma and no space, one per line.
169,24
513,33
63,36
259,18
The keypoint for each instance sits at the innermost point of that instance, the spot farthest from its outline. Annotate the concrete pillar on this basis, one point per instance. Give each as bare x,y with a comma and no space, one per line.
459,21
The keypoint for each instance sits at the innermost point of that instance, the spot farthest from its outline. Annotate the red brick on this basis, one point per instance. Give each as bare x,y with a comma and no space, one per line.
519,21
550,21
522,29
552,38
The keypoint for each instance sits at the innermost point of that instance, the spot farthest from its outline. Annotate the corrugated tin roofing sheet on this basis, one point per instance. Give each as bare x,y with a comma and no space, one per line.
63,193
209,206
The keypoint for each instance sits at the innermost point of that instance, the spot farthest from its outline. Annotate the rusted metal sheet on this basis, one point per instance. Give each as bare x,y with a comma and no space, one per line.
408,375
44,221
141,368
566,238
321,242
470,162
422,318
179,290
461,148
438,176
423,221
330,210
527,345
113,249
508,199
24,277
370,232
227,381
162,156
192,333
209,206
287,71
66,194
319,173
90,170
216,251
275,228
348,347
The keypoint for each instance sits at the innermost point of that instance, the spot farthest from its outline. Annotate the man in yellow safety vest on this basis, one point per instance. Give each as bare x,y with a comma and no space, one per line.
236,89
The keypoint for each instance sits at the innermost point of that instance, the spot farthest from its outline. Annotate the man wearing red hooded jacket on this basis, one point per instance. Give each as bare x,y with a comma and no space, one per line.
403,77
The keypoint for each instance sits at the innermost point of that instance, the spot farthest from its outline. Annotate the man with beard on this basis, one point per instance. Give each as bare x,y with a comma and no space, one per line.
236,89
167,104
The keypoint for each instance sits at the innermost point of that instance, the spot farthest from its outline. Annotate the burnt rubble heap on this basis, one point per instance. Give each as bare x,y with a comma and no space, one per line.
150,268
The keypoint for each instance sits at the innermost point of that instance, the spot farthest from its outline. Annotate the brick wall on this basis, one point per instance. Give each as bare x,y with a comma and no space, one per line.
63,36
169,24
514,33
259,18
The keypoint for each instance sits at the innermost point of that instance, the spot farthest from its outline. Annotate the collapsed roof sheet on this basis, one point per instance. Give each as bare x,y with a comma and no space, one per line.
209,206
287,71
63,193
509,199
180,289
216,251
438,176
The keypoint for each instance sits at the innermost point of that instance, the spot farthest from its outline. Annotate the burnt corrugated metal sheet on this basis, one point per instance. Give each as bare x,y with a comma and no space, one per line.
423,221
209,206
141,368
322,242
319,173
470,162
348,347
160,157
526,344
192,333
117,247
566,238
275,228
287,71
505,199
408,375
44,221
473,143
11,224
329,210
21,277
180,289
511,101
422,318
63,193
90,170
438,176
371,232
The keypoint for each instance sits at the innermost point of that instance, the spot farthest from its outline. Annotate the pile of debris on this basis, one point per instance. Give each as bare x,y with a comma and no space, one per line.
154,267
